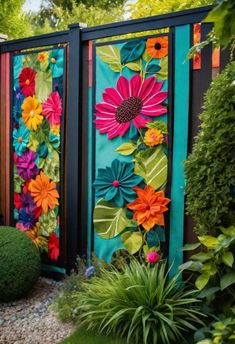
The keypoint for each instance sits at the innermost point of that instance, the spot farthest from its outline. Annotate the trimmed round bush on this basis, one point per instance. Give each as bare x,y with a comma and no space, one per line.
20,264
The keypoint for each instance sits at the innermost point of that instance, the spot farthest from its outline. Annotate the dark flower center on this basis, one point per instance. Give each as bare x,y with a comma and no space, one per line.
158,46
128,109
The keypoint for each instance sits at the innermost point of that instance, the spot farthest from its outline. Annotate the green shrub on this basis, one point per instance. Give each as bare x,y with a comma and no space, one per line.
140,303
19,264
210,171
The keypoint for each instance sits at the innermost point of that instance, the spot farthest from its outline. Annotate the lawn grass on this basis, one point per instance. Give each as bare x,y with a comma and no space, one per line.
81,336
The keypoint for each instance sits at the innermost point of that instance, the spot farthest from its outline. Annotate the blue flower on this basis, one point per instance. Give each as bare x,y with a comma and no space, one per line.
42,150
54,140
20,139
56,62
90,271
115,183
18,63
58,85
28,220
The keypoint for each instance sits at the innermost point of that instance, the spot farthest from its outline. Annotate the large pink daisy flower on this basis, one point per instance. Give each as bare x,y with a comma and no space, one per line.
129,101
52,108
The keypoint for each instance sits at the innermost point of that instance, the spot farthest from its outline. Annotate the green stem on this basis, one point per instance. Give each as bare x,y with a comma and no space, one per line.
141,136
146,66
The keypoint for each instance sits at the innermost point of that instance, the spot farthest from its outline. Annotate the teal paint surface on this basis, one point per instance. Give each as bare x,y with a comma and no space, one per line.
105,153
53,269
180,144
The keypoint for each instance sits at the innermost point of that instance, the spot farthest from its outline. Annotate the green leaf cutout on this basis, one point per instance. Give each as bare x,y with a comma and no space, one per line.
110,221
126,148
132,50
146,56
227,280
132,241
111,55
151,164
153,67
135,65
48,223
52,166
43,83
163,73
202,281
228,259
160,125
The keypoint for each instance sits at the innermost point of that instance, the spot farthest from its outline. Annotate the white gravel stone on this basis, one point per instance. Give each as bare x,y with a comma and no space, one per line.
30,320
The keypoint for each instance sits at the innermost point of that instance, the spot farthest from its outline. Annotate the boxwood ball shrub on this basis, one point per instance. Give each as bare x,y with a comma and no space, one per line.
20,264
210,170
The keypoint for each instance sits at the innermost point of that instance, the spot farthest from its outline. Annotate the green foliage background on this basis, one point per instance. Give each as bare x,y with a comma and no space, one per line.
210,171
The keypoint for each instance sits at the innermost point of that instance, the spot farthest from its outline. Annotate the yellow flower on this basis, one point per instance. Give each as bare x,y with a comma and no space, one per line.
43,57
38,240
32,110
55,129
153,137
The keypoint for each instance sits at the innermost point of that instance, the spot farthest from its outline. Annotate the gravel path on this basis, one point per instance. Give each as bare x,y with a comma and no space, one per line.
29,321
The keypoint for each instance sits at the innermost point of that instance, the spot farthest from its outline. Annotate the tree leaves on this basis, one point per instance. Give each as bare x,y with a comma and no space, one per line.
126,148
132,241
111,55
228,258
209,241
132,50
151,164
202,281
227,280
110,221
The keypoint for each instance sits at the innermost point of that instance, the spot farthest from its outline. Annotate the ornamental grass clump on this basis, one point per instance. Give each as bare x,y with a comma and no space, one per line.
141,303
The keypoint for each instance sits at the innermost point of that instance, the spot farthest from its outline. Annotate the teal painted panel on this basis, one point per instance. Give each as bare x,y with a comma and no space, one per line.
180,144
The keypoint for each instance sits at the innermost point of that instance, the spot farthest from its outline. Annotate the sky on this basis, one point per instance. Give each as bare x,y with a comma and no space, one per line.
32,5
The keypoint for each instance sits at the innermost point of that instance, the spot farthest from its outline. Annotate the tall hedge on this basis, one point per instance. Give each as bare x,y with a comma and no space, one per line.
210,169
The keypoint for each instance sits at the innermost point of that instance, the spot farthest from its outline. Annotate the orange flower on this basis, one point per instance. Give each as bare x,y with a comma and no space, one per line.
149,207
44,192
157,47
43,56
153,137
31,114
55,129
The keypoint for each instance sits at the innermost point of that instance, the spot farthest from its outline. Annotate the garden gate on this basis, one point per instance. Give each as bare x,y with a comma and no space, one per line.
127,74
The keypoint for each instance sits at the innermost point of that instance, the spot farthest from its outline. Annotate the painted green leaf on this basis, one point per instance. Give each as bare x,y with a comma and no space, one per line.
111,55
191,247
109,221
153,67
126,148
132,241
151,164
132,50
135,65
209,241
43,83
228,258
202,281
18,181
227,280
163,73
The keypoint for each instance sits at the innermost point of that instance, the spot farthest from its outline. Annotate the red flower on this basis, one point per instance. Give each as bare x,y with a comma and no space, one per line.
15,158
17,201
26,187
53,247
37,212
27,81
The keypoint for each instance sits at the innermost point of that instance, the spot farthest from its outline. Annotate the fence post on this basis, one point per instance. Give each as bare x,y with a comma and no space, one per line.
73,197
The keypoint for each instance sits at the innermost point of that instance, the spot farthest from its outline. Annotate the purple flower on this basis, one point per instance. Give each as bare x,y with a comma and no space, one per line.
90,271
27,202
26,167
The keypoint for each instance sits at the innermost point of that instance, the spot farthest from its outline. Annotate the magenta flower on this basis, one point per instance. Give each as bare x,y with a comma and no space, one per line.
129,101
153,257
52,108
26,166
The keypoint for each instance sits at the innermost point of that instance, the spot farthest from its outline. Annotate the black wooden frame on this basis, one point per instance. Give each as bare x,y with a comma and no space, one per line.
77,38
